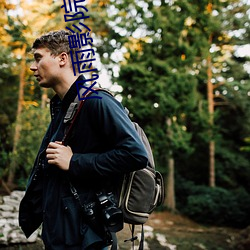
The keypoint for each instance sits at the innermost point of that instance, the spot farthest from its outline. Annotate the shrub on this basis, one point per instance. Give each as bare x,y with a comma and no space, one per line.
34,124
216,206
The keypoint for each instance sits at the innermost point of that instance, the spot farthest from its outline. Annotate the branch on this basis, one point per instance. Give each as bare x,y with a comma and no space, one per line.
221,97
217,85
221,103
5,186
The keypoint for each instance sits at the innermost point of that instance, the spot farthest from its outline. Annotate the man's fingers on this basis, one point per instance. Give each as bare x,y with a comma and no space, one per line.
54,145
52,162
58,154
50,156
50,150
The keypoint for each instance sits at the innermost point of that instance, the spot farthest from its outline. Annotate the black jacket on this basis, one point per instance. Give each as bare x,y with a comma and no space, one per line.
105,146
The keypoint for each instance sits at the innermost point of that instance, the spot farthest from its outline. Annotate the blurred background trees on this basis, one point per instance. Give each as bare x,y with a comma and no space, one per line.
181,69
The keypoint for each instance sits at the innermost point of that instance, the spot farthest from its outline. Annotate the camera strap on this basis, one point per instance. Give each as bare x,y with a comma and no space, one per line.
75,194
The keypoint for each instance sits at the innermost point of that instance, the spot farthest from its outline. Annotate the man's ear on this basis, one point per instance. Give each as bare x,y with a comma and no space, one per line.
63,58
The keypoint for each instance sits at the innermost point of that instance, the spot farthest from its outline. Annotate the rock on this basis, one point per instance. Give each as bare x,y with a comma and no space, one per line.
6,207
11,202
10,232
200,246
163,241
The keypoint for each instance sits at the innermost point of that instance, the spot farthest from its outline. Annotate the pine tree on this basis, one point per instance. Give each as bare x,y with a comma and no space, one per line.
226,20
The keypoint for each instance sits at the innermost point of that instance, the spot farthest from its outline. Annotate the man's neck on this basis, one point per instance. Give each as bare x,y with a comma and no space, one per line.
65,84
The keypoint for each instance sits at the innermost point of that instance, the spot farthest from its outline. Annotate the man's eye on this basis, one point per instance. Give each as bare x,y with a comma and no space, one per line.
37,58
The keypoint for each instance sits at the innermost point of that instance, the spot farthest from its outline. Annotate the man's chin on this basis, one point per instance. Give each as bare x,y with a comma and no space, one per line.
43,85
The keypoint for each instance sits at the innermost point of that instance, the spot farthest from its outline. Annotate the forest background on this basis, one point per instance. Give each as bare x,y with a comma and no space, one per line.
180,67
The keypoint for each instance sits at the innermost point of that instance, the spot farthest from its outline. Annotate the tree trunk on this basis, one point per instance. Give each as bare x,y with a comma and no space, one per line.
169,188
13,163
170,191
210,97
211,164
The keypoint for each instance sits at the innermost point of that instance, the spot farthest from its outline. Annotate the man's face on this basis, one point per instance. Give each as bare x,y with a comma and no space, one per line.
45,67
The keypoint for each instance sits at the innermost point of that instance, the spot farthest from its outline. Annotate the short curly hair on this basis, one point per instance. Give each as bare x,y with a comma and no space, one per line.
56,41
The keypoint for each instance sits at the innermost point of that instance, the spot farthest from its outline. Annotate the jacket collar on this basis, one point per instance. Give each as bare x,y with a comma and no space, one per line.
69,96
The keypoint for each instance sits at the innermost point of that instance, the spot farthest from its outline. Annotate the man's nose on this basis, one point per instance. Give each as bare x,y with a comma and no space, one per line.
33,66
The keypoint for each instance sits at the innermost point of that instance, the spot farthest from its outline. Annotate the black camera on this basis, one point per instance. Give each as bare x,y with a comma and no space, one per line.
104,211
111,214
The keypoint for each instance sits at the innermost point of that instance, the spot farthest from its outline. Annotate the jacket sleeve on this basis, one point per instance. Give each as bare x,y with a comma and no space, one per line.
126,152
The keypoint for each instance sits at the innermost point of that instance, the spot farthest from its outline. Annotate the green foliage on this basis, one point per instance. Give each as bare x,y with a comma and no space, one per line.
157,85
214,205
4,156
8,87
15,30
34,124
231,166
247,146
8,105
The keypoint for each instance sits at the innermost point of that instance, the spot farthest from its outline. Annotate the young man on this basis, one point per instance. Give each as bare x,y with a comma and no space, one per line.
101,148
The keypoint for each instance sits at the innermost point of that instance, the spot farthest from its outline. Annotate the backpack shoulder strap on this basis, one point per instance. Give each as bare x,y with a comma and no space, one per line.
72,109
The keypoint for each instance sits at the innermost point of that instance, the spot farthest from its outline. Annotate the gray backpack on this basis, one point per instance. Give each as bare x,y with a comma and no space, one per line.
142,190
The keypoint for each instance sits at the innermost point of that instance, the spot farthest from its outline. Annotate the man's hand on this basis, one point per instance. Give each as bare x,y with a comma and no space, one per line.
59,155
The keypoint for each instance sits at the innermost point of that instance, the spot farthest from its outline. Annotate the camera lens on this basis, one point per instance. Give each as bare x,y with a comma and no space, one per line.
114,219
112,215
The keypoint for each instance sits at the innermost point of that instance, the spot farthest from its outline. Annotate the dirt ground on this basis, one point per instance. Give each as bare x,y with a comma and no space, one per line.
166,231
176,232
